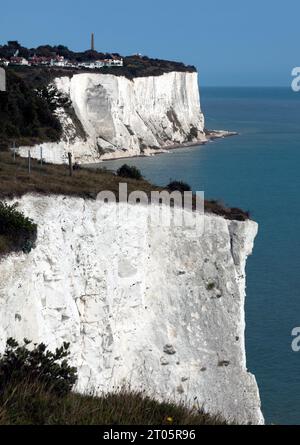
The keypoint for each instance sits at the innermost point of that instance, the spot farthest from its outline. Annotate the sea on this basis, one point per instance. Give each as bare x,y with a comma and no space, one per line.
257,170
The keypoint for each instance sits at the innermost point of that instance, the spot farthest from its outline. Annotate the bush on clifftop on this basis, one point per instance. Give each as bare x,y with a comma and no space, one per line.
178,186
127,171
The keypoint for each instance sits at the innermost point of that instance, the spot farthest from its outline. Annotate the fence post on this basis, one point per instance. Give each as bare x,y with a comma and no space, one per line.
29,162
70,164
41,151
14,150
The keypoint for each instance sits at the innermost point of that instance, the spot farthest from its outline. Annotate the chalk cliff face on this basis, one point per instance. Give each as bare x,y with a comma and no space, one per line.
2,80
122,117
157,308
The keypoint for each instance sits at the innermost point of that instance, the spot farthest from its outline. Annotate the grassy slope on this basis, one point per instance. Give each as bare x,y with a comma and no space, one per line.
32,404
55,179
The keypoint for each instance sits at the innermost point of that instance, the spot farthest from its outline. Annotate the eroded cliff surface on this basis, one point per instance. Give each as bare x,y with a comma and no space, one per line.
157,308
122,117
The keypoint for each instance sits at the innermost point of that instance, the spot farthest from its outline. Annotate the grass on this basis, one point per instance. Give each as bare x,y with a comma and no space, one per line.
36,388
31,404
55,179
87,183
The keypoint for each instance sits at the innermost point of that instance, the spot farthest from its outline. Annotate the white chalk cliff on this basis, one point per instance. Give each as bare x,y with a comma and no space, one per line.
156,308
122,117
2,79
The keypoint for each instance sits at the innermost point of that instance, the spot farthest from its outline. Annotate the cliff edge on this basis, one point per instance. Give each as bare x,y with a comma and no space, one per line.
156,308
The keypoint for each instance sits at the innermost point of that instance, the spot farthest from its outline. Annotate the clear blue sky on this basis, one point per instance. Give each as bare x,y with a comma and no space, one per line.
232,42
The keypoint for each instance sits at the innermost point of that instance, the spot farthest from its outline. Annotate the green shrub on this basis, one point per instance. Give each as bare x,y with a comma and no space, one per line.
179,186
19,364
25,112
127,171
17,232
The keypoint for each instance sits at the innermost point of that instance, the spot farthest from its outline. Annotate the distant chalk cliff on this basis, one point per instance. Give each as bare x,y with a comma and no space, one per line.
119,117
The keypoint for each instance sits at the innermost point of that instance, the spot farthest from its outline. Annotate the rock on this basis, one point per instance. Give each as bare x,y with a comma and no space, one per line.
76,275
224,363
169,349
180,389
164,361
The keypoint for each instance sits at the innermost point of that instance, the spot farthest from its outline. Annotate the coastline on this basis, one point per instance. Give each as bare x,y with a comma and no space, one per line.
210,135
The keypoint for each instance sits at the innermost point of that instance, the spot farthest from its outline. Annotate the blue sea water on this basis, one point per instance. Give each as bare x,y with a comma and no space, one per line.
258,171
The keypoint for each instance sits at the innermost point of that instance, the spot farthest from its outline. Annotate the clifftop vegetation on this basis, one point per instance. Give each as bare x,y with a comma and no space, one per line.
36,384
87,183
27,113
26,404
134,65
